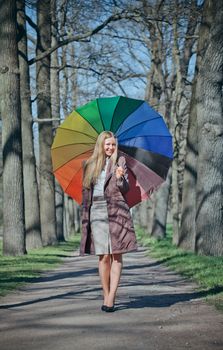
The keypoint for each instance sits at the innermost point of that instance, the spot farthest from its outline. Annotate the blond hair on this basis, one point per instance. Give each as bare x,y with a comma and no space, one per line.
96,162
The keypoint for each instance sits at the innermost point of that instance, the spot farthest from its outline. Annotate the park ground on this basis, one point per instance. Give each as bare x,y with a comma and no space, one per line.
155,309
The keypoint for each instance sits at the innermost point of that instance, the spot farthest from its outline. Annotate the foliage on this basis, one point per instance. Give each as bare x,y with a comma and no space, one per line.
16,271
205,270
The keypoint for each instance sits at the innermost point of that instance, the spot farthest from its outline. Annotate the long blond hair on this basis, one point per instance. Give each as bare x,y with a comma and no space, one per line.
96,162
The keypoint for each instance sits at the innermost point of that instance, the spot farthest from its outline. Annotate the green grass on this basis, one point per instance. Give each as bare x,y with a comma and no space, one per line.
16,271
206,271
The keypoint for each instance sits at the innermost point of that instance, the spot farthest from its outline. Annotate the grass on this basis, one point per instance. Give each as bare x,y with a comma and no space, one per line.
16,271
206,271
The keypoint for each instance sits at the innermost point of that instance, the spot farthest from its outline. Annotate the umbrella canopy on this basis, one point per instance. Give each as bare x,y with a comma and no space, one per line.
143,138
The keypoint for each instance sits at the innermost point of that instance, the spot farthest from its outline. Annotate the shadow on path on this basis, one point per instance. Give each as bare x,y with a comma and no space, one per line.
51,278
164,300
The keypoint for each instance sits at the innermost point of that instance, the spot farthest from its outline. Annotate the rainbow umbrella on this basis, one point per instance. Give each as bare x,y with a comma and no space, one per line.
143,139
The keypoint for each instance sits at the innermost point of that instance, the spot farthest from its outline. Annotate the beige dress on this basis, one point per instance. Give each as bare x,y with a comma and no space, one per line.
99,217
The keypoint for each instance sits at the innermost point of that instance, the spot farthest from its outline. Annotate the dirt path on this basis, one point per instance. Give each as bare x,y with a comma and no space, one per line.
155,309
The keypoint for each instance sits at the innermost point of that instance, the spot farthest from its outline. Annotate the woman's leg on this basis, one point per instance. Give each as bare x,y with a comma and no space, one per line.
115,274
104,267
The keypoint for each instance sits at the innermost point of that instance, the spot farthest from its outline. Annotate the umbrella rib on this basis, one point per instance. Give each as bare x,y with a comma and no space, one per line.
141,164
80,132
68,162
131,138
74,175
88,123
100,115
114,112
70,144
150,162
131,127
144,122
72,178
132,111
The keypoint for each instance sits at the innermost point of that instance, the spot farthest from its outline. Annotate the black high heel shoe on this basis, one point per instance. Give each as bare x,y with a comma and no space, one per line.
103,308
110,308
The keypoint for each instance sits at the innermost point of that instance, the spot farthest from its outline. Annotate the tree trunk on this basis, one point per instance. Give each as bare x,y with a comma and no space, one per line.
68,216
187,229
135,215
73,79
47,193
65,86
55,102
143,215
69,205
177,95
74,99
161,209
77,218
185,171
1,172
10,110
150,213
156,93
154,89
31,196
209,213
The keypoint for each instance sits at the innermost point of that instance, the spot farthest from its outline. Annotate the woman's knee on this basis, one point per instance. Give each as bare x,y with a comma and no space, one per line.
117,258
105,258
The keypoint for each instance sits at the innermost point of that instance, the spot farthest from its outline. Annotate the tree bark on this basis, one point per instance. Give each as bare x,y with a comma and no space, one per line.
187,229
161,209
31,196
55,103
180,109
77,217
74,99
10,110
68,216
143,215
47,193
154,90
209,191
177,95
65,84
1,172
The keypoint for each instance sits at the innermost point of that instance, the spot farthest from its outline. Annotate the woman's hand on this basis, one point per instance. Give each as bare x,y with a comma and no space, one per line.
119,172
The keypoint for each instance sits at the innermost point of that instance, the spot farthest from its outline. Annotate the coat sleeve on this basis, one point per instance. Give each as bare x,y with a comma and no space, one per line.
85,191
123,182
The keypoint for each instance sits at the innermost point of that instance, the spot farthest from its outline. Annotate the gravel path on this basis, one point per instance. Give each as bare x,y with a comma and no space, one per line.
155,309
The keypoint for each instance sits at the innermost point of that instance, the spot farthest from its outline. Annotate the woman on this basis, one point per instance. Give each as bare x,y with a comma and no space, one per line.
107,228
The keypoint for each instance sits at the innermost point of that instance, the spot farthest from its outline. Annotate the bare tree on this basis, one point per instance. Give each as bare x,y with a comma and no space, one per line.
187,231
161,209
202,217
209,186
55,103
32,209
47,193
182,53
10,110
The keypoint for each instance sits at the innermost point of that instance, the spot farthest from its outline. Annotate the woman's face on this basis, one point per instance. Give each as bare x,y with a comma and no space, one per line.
109,146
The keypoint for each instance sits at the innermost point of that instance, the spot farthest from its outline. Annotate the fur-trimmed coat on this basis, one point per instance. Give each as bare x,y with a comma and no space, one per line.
121,228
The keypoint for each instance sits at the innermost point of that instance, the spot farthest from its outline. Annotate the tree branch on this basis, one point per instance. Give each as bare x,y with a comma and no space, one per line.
79,37
31,23
50,120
